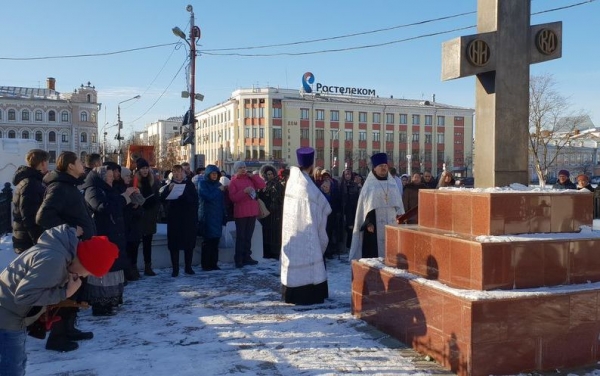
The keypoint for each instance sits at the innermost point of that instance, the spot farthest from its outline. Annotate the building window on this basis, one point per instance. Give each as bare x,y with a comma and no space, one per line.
65,138
304,113
304,133
277,133
261,155
441,121
247,154
38,136
64,116
261,113
51,116
319,134
402,155
12,134
428,138
415,137
253,132
276,113
376,137
440,138
335,134
25,135
89,98
427,156
94,140
362,136
52,156
402,136
246,114
349,116
348,135
247,132
52,136
389,118
362,117
0,116
428,119
440,156
25,115
38,115
83,137
277,154
403,119
320,114
335,115
376,118
84,116
416,119
390,155
12,115
389,136
319,154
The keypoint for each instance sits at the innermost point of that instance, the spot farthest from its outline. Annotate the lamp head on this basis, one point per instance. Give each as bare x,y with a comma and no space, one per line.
177,31
189,8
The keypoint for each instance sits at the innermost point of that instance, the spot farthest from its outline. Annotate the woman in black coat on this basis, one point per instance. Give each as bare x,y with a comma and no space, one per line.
64,204
182,220
107,205
272,196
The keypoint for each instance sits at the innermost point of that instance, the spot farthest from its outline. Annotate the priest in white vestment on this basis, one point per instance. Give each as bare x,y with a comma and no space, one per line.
379,204
304,238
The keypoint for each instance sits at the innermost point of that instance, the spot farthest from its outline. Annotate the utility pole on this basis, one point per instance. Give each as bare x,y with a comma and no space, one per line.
190,135
120,126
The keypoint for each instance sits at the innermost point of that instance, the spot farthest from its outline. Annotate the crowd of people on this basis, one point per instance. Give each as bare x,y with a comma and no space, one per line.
77,231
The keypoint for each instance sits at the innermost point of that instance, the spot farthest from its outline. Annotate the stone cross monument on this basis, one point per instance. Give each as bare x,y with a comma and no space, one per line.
500,56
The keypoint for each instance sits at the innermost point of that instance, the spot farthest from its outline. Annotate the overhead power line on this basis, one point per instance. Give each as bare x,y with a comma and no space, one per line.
89,55
215,52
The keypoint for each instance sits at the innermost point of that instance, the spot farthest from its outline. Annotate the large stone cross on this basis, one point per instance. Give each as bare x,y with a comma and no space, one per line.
500,56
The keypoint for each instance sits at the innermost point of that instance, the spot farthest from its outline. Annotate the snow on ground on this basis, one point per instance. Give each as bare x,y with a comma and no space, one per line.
231,322
225,322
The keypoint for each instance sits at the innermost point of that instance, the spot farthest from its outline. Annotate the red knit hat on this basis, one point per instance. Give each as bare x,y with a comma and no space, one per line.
97,255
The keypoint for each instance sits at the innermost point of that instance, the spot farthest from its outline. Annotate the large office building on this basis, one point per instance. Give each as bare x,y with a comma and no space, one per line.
56,121
267,125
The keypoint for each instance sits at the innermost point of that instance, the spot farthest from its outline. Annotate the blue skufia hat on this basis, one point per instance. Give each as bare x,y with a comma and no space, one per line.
379,158
306,157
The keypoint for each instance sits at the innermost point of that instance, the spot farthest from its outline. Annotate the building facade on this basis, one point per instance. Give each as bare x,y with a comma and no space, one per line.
57,122
267,125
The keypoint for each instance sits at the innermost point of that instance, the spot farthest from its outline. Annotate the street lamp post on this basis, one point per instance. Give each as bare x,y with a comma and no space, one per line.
120,126
194,35
409,166
337,133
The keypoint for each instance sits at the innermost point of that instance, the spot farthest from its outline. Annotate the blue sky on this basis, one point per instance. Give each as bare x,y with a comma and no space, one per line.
411,69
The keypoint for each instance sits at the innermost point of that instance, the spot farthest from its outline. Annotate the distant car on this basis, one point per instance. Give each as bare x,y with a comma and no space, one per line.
467,182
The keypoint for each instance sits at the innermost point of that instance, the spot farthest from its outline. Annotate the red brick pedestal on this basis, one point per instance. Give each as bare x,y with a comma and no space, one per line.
461,289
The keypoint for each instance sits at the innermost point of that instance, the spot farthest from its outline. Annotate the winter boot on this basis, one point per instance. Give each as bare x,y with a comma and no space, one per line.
58,340
188,254
73,333
175,262
148,270
102,310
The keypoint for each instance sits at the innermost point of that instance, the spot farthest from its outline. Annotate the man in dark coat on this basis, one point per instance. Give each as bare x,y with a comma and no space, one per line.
410,196
563,181
182,219
27,199
92,160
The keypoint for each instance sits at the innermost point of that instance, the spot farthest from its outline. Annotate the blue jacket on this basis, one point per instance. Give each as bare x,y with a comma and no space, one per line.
212,204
